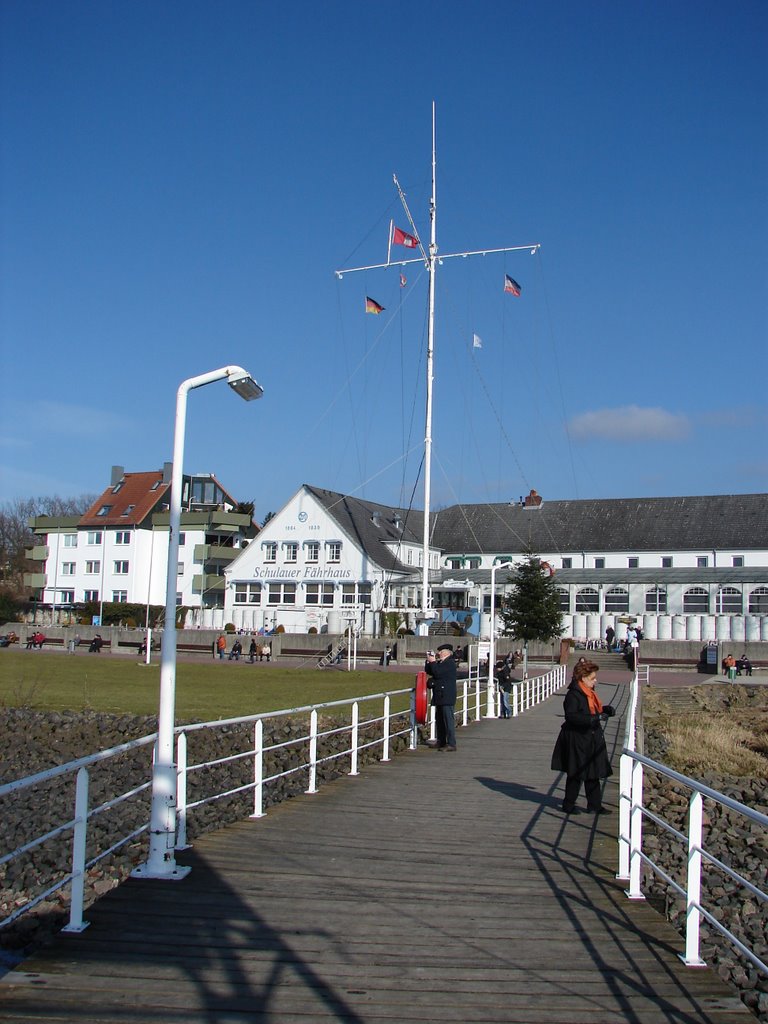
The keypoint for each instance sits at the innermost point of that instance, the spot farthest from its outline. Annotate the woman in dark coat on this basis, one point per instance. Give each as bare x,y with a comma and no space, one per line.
580,748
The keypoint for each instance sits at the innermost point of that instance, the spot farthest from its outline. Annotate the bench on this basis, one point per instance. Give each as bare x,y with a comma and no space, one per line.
185,648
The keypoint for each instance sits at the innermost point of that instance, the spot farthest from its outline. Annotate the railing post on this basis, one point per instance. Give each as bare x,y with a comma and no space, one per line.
625,803
465,716
636,833
181,792
693,886
76,922
478,713
414,728
258,770
312,753
354,738
432,724
385,744
515,692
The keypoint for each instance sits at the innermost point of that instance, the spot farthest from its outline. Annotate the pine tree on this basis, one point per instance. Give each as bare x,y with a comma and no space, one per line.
532,610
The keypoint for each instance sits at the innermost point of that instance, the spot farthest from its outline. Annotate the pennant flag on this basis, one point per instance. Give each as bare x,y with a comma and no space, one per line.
476,342
403,238
403,281
372,306
511,285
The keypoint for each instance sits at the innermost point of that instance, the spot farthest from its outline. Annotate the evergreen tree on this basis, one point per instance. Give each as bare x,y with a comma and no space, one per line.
532,610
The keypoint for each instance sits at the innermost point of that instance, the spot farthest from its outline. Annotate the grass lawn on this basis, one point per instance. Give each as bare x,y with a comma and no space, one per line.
55,681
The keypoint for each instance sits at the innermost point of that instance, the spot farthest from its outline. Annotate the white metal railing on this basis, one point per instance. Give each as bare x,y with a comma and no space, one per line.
364,733
633,812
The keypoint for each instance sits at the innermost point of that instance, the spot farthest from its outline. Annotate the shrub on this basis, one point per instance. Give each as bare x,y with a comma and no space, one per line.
229,627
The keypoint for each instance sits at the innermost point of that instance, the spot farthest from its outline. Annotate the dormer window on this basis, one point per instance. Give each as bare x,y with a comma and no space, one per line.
291,552
104,510
334,550
127,510
117,486
270,552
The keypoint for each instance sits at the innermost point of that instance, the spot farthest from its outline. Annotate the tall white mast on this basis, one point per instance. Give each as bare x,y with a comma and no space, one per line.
426,602
430,260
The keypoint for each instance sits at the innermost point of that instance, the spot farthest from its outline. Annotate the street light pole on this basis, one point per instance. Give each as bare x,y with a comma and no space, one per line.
491,702
160,861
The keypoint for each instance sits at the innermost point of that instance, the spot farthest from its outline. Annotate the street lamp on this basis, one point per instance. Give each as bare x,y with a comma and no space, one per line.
160,861
491,703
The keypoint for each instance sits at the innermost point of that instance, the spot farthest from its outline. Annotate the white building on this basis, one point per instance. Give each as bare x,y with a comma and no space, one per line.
688,568
117,552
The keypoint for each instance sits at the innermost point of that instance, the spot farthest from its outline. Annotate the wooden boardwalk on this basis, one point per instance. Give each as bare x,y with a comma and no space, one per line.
438,887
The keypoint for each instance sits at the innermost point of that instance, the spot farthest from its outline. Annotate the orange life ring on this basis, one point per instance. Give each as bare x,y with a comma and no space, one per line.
420,709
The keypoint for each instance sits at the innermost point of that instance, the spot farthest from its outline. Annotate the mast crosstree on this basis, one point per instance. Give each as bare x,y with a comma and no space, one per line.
430,259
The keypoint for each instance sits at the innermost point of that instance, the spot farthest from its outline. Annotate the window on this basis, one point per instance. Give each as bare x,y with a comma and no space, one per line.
364,594
127,510
472,563
758,601
334,550
120,569
68,568
348,594
94,536
281,593
656,600
91,595
120,596
179,568
454,563
729,601
409,557
320,593
117,487
567,563
178,599
270,552
70,540
587,600
104,510
737,561
633,563
617,600
313,551
182,540
702,562
599,563
67,596
248,593
562,596
92,568
666,562
123,537
291,552
696,601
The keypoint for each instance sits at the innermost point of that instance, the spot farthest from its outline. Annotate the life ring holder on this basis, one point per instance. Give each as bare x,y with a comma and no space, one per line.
421,703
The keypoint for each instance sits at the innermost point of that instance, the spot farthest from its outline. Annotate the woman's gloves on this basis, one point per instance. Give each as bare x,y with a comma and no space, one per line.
608,711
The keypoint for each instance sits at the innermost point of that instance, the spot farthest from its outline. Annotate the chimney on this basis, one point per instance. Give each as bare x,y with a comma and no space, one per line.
167,472
117,474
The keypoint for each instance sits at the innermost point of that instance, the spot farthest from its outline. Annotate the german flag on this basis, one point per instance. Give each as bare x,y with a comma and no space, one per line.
372,306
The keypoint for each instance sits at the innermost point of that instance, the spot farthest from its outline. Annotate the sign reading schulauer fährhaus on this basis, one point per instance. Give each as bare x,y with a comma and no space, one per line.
314,573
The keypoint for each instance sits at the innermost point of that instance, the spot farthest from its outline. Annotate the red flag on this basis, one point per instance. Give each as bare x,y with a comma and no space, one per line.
403,238
511,285
372,306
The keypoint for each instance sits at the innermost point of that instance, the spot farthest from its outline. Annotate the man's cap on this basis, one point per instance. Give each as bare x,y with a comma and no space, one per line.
445,647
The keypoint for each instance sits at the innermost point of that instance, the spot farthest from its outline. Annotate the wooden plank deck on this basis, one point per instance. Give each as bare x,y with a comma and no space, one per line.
438,887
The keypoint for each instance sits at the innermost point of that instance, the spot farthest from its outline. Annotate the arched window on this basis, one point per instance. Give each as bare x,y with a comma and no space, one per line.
758,601
617,600
729,601
656,600
587,600
696,601
565,600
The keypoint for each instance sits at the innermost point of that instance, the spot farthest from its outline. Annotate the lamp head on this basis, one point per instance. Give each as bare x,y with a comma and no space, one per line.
244,385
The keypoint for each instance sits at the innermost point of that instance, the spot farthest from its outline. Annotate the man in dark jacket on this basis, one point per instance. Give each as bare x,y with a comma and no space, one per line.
441,669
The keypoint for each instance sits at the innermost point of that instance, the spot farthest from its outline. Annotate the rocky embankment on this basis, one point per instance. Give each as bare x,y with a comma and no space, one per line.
730,837
37,741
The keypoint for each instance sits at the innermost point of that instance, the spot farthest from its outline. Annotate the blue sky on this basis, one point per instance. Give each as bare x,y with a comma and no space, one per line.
180,181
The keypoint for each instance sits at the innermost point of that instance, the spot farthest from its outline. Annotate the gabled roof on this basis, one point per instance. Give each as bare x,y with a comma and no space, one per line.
372,526
129,502
722,521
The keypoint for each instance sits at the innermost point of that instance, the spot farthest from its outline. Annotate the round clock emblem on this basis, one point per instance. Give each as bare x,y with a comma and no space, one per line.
303,517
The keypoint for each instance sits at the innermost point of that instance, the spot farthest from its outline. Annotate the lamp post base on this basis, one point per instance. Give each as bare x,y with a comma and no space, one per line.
171,873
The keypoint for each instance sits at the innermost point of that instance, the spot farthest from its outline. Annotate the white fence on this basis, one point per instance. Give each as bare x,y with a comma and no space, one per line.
632,814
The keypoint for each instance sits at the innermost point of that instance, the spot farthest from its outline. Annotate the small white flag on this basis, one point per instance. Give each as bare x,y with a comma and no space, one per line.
476,342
